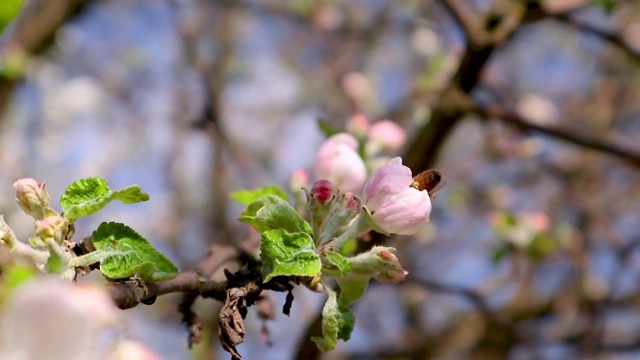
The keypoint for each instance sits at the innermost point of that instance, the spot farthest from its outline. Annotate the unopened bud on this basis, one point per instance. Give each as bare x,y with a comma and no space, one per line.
385,136
319,200
299,179
379,263
55,227
322,191
358,126
32,197
392,271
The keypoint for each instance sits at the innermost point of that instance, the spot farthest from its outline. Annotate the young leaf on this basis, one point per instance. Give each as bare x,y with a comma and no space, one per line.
133,254
288,254
87,196
327,129
353,288
335,264
246,197
337,323
272,212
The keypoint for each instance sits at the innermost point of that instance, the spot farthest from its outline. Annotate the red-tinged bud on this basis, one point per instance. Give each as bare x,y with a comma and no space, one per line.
393,271
379,263
351,202
322,191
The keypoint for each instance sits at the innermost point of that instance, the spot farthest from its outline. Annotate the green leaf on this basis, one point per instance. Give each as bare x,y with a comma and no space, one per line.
606,5
337,323
335,264
246,197
133,254
353,288
327,129
288,254
272,212
16,275
87,196
8,10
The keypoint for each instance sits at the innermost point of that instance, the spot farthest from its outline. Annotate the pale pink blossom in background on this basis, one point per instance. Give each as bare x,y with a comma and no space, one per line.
396,207
339,162
358,125
386,136
132,350
299,179
48,318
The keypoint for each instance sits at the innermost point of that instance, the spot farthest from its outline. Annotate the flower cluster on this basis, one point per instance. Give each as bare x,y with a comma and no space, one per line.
390,203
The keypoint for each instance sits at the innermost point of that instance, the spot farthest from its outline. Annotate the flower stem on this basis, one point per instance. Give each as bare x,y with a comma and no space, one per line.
360,225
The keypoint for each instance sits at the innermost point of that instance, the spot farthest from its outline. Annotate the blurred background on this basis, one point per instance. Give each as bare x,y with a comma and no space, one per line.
529,108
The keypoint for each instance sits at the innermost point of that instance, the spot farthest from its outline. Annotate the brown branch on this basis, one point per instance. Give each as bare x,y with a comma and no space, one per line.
584,26
503,114
129,294
31,32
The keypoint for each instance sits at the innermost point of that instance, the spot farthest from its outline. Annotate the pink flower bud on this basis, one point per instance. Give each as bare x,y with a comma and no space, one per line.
322,190
358,125
55,227
395,206
386,136
392,271
299,179
32,197
379,263
338,161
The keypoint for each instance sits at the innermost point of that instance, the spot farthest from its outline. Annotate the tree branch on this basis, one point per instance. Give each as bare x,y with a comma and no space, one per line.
129,294
503,114
30,33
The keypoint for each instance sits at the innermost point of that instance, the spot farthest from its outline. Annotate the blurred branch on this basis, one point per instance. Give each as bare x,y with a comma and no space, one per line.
452,104
30,34
502,113
566,16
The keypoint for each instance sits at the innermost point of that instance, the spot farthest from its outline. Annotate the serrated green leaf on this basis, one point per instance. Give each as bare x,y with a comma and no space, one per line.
246,197
272,212
337,323
87,196
133,254
288,254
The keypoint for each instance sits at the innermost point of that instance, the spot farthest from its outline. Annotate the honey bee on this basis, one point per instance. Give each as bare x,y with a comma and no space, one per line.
430,180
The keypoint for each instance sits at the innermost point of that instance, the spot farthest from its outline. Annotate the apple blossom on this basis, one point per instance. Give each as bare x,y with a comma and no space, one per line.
395,206
47,318
32,197
339,162
385,136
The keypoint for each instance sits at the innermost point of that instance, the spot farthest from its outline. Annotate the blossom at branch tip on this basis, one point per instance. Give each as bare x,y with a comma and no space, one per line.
339,162
395,206
32,197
